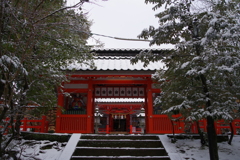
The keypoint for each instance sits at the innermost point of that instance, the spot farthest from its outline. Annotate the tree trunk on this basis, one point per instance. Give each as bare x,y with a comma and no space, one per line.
232,132
203,140
18,126
173,140
212,136
212,139
20,113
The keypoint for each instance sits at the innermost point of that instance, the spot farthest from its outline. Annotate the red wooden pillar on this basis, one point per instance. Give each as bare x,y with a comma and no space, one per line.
90,106
110,123
24,124
46,126
193,128
149,108
43,122
146,115
205,125
107,127
234,127
130,126
59,112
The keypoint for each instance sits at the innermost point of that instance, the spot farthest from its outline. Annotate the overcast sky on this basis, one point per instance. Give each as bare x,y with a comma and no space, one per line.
120,18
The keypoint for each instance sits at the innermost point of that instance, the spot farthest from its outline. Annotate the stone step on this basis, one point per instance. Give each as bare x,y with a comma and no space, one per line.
120,143
133,137
120,157
109,151
117,147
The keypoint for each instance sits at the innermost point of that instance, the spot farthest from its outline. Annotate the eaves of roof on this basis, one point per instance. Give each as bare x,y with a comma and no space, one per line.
121,100
128,52
116,64
118,60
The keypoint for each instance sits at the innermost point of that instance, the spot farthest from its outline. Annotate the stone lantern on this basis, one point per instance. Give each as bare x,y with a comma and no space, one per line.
142,120
97,116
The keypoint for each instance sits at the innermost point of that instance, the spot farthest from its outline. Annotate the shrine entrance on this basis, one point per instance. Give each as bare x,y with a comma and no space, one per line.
116,96
119,125
119,114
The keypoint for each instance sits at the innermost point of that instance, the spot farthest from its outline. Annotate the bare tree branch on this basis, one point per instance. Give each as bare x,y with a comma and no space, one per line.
61,9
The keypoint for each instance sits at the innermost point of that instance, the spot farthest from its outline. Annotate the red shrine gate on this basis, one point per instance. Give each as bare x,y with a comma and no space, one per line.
115,78
111,117
84,107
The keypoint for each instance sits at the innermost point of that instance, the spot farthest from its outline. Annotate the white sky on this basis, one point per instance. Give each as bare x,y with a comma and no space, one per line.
120,18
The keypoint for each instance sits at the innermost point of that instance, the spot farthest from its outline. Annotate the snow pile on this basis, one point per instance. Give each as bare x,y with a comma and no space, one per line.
37,150
193,150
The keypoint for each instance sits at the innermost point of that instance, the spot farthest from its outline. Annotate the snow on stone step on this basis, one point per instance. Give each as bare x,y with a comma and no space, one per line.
70,147
121,157
117,147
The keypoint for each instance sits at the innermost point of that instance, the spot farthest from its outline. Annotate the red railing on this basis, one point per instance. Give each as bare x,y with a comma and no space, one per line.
40,125
162,124
73,124
221,126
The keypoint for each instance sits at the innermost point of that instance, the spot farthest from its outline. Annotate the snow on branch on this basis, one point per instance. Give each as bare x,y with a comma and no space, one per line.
59,10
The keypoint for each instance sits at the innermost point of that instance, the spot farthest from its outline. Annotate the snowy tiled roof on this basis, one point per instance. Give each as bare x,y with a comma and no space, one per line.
120,63
119,100
127,52
118,60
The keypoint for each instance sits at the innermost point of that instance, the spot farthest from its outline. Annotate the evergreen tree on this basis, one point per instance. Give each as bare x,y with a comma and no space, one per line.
201,79
37,39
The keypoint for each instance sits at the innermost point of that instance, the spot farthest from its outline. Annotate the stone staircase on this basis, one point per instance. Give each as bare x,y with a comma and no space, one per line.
127,147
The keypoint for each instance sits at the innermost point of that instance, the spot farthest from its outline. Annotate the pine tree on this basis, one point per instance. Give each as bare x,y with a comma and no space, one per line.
201,79
37,39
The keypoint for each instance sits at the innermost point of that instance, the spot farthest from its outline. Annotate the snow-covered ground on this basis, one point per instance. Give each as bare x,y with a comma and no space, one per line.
38,150
191,149
183,149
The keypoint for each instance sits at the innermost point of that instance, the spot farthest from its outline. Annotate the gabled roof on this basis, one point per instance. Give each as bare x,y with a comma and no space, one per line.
119,100
127,52
118,60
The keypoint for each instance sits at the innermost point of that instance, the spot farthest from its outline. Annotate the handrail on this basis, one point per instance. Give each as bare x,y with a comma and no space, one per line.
40,125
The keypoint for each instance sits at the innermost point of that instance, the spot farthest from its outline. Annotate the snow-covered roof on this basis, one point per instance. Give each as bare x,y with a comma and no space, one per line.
118,60
116,63
119,100
127,52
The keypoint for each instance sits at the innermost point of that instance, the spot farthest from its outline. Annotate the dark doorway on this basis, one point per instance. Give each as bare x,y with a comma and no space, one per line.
119,125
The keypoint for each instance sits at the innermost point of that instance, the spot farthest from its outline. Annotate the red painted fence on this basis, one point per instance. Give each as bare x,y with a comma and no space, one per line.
40,125
221,126
73,124
162,124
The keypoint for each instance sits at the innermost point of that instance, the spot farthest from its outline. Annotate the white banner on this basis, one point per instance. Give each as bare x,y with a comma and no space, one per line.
110,91
97,91
129,91
116,91
135,91
141,91
104,91
122,91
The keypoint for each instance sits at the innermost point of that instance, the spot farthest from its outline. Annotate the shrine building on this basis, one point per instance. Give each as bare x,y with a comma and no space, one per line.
115,97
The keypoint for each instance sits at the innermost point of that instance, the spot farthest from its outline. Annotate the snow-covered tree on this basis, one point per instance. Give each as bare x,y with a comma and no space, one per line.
201,79
37,38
